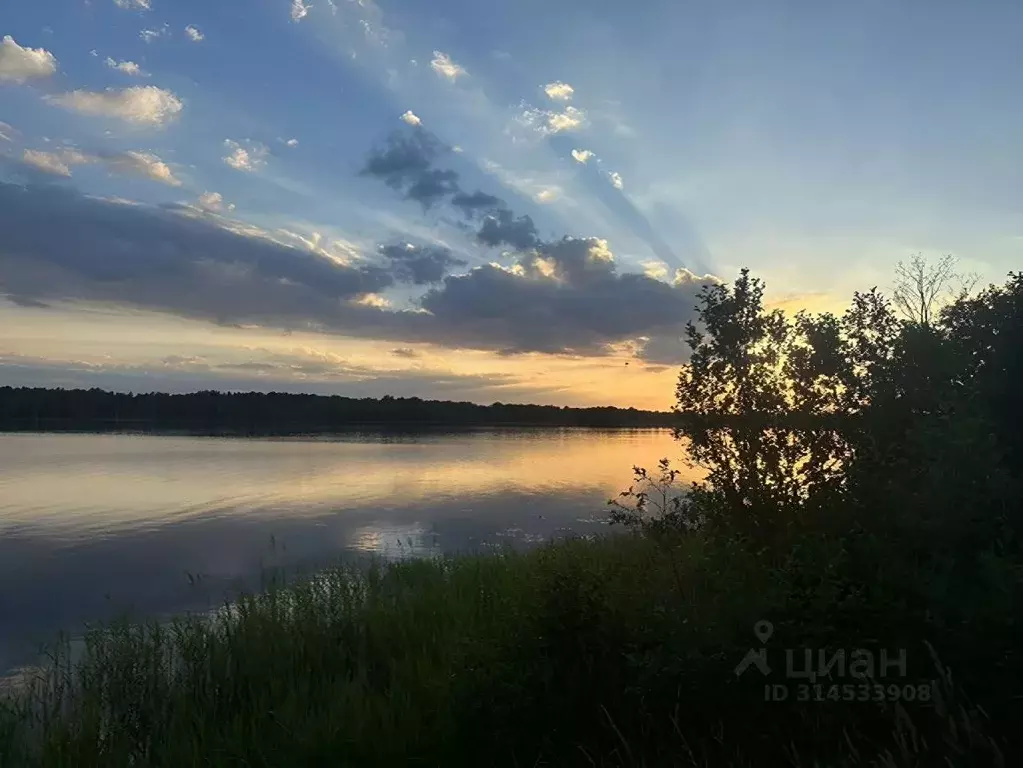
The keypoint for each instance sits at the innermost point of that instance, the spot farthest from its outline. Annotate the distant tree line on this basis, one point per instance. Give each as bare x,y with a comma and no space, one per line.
43,409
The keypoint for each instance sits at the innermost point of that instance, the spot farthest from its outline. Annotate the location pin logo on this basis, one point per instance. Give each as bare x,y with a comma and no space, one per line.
763,629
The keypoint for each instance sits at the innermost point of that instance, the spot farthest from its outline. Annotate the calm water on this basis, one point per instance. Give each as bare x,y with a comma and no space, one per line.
95,525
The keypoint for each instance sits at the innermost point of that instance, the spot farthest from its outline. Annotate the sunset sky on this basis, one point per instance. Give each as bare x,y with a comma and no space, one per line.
514,201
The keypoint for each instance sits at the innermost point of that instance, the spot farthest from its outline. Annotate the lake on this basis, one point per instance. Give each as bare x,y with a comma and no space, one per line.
94,525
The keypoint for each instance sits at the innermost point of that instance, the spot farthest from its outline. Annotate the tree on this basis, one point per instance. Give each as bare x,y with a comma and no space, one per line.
922,288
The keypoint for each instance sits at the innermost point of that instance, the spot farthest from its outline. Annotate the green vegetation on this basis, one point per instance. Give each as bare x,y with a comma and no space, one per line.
863,494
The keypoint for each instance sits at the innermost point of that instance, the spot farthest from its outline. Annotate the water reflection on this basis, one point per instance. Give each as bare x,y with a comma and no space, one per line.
92,525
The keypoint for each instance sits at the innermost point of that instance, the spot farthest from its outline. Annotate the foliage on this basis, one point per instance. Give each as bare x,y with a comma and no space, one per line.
883,438
585,652
252,413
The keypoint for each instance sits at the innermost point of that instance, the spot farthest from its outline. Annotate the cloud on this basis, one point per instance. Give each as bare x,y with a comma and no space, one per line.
406,352
47,162
142,105
141,5
127,67
419,265
143,164
565,296
502,227
445,67
559,91
19,65
404,164
655,269
62,245
291,143
248,158
7,131
214,201
616,179
60,162
149,35
548,195
530,306
548,122
472,202
582,155
374,300
299,10
192,33
411,118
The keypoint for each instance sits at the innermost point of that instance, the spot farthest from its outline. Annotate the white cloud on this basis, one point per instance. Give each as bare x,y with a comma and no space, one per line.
568,120
128,67
654,268
372,300
546,195
445,67
616,179
292,142
582,155
149,35
48,162
192,33
145,105
548,121
7,131
245,158
18,65
299,10
135,163
559,91
142,5
411,118
143,164
214,201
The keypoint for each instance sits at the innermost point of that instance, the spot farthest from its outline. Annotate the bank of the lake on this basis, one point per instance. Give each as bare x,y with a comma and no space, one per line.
617,651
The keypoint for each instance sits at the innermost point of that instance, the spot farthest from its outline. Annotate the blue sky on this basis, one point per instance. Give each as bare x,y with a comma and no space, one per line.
817,144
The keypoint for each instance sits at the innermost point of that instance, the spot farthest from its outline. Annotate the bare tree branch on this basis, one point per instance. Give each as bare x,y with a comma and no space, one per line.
922,288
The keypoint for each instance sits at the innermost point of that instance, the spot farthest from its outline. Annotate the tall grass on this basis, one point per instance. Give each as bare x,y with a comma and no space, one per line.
614,651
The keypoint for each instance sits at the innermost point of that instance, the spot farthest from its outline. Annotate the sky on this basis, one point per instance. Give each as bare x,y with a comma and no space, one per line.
502,201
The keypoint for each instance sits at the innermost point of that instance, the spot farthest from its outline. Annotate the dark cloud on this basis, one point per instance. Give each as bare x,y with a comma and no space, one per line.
563,296
502,227
405,163
432,185
58,244
420,265
472,203
406,352
567,296
403,158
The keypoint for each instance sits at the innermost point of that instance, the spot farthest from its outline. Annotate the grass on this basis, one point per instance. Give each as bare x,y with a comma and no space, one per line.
616,651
